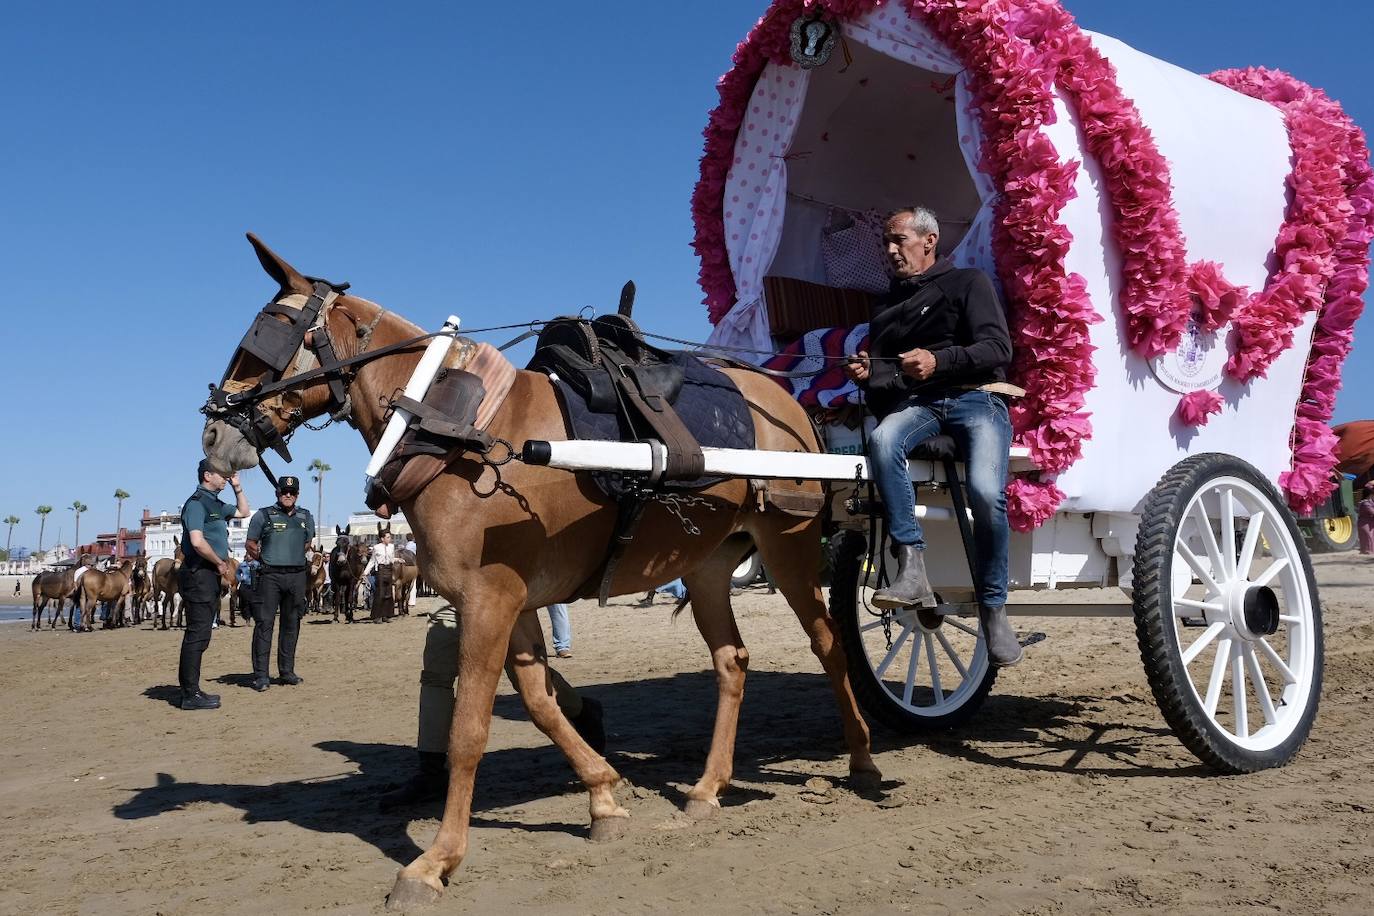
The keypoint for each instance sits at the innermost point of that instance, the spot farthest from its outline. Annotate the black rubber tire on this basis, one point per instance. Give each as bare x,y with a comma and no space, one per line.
847,552
1321,540
1157,635
749,571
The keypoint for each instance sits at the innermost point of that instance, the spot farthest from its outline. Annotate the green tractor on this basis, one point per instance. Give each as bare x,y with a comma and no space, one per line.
1331,527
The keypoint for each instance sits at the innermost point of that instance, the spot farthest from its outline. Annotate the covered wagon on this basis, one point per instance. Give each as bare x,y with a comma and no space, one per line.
1182,259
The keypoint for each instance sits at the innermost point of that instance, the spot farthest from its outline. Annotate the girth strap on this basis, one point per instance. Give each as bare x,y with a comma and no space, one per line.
685,459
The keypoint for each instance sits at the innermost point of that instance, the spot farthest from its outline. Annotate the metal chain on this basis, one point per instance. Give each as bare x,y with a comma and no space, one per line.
675,503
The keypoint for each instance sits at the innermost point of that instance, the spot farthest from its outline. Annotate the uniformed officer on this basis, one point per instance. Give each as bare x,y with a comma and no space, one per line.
205,527
277,537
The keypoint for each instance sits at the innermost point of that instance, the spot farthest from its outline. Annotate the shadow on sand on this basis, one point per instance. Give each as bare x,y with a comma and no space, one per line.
658,732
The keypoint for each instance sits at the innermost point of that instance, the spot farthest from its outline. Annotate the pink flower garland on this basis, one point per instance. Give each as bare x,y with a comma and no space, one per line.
1323,251
1195,407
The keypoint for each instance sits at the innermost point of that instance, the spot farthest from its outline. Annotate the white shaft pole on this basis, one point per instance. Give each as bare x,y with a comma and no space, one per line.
415,389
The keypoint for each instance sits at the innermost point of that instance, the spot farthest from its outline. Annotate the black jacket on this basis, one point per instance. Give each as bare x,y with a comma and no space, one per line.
952,312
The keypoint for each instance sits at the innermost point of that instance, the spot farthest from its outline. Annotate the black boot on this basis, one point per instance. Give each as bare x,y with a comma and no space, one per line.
589,725
1004,649
430,784
911,586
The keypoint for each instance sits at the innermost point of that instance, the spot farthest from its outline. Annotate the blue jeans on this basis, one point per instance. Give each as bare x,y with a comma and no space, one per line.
980,426
674,588
562,629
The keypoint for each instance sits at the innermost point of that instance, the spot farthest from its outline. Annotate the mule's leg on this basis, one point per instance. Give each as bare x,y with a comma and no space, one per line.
791,551
709,588
486,620
527,663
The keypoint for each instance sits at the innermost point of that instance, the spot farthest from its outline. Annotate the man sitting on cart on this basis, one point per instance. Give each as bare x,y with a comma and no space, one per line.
938,339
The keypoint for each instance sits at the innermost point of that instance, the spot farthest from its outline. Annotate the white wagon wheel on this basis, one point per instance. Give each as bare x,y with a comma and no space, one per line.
913,670
1227,615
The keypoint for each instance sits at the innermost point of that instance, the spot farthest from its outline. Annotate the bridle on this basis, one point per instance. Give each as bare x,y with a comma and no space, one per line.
298,352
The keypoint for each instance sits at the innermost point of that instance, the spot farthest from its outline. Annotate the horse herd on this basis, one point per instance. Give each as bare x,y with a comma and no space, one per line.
132,592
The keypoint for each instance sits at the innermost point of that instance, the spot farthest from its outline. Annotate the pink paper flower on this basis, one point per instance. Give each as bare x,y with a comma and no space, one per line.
1214,298
1196,407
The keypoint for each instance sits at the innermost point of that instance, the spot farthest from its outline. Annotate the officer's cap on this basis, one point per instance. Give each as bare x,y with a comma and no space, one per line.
289,485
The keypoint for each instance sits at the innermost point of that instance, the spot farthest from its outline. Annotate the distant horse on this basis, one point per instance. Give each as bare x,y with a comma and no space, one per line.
503,542
346,563
404,573
140,588
314,584
110,586
57,587
164,581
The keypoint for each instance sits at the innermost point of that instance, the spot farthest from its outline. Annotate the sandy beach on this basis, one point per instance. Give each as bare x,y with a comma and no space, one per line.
1066,793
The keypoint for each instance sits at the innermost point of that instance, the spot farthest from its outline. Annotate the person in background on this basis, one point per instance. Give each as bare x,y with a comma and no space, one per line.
380,563
277,537
205,540
1364,511
247,578
562,630
413,548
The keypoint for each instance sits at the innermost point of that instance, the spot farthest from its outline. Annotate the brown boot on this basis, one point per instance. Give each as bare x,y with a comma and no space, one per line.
911,585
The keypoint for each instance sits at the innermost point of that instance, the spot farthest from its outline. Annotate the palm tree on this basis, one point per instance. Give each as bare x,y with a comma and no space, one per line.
319,467
120,496
42,523
10,520
78,507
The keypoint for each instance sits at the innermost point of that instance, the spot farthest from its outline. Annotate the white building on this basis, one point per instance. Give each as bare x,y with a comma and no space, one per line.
364,525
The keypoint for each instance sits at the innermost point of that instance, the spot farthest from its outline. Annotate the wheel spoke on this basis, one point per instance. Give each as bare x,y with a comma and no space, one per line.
910,686
1273,570
1238,691
868,626
1293,619
1202,642
1196,605
892,652
1218,678
1252,539
953,656
960,625
1209,539
1261,688
934,670
1284,671
1228,531
1181,549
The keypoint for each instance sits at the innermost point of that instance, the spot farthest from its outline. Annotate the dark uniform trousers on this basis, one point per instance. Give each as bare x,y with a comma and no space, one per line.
278,587
199,585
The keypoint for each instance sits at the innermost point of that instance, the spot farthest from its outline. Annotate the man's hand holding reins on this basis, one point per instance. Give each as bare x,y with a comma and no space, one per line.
856,367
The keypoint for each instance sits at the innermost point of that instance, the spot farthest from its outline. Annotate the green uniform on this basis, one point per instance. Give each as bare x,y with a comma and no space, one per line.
282,536
205,513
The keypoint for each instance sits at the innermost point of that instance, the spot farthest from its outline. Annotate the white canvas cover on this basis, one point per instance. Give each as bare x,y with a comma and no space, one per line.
1229,156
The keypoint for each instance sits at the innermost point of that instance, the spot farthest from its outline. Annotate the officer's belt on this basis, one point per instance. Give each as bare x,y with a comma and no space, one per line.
268,568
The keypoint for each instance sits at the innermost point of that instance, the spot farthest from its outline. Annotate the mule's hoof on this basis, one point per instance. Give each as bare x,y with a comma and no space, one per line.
865,782
699,810
409,893
605,829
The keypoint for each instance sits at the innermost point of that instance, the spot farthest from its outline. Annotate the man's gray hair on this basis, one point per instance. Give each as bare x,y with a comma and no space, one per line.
922,219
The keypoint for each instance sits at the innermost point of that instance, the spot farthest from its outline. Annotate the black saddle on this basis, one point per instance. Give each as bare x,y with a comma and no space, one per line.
610,366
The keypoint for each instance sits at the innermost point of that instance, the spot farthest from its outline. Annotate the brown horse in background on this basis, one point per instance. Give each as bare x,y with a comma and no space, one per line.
164,587
58,587
499,543
404,573
140,588
112,586
314,583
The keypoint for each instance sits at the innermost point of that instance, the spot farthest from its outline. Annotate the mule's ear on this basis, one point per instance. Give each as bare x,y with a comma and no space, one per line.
347,529
176,541
287,277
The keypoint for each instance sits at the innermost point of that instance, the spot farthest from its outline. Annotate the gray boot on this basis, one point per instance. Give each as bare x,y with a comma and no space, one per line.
911,586
1004,649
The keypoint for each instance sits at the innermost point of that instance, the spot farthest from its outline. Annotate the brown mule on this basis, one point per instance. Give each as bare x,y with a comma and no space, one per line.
314,583
112,585
404,573
164,587
529,536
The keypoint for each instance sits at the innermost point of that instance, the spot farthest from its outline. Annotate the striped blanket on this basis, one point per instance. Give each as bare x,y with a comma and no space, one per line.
829,388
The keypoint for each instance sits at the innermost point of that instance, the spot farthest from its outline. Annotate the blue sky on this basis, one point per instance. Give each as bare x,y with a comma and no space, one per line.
500,166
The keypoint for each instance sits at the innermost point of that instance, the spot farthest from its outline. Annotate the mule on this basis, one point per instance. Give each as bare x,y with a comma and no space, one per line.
314,583
111,586
164,586
500,542
58,587
140,589
404,573
346,563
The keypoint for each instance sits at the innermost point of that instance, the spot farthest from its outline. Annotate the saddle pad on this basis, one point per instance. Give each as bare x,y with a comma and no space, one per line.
709,404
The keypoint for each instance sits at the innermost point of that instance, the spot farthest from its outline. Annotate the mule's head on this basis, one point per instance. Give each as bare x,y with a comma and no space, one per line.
240,422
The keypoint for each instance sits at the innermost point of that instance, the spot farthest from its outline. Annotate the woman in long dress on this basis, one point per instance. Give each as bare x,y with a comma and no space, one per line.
383,555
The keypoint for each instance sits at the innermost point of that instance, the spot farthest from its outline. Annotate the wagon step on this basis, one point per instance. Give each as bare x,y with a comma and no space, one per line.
650,458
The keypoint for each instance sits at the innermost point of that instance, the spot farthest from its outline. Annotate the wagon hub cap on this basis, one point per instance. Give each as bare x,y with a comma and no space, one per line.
1261,611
